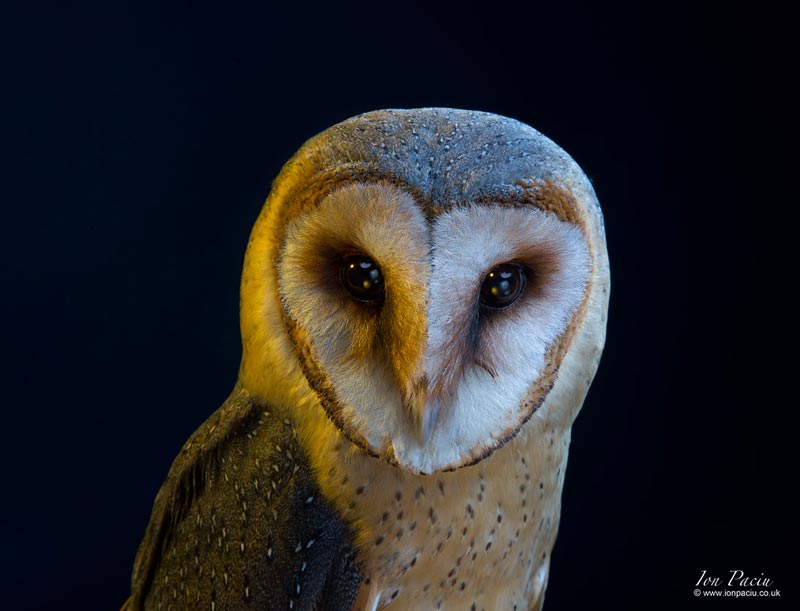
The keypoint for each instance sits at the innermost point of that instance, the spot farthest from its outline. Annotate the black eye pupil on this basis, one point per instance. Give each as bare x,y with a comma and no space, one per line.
502,286
362,278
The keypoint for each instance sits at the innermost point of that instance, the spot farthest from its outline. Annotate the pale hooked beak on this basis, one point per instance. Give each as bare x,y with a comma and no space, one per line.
423,413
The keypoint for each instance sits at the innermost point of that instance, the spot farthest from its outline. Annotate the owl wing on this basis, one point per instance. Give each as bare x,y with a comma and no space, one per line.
239,522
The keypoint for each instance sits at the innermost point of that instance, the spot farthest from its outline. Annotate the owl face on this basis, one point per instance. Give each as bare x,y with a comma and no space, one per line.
429,331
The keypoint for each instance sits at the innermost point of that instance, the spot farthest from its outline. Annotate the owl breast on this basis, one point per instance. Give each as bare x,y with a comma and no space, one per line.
478,537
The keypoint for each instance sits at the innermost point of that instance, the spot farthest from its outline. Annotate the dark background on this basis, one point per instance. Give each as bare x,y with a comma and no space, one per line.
139,143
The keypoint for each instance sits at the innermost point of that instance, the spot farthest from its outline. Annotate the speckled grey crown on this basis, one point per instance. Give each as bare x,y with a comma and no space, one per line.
444,156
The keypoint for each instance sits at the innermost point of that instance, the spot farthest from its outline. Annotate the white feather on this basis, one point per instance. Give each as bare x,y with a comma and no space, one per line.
452,258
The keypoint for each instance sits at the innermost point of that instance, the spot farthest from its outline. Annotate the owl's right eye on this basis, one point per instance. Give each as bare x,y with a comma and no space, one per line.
362,278
502,286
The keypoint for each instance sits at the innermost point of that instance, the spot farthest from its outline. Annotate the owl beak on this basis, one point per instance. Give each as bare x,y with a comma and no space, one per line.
423,413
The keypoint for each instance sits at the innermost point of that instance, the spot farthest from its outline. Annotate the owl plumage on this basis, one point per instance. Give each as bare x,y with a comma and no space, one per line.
423,308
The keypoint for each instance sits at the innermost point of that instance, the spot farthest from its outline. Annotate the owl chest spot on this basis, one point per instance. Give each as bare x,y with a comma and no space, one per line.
480,534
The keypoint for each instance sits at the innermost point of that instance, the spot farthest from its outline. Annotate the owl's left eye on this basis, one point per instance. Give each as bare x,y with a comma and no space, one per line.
362,278
502,286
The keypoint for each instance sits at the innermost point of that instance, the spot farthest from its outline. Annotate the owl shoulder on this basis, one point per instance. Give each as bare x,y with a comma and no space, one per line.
240,520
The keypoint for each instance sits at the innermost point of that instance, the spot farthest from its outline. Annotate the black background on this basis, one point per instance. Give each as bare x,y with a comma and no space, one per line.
139,143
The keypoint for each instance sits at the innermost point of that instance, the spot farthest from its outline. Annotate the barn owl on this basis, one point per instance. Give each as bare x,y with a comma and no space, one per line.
423,309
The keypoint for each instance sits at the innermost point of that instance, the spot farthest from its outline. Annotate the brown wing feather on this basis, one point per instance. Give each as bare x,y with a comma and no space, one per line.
241,522
184,482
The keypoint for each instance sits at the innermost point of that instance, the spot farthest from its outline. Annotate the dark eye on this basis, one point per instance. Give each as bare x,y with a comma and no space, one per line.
502,286
362,278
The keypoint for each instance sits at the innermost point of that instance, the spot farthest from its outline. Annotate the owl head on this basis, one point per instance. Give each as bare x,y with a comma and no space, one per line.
425,278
